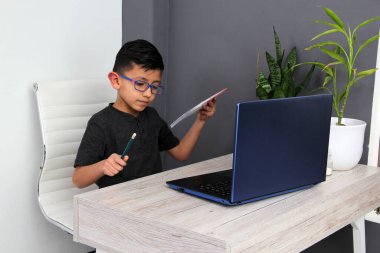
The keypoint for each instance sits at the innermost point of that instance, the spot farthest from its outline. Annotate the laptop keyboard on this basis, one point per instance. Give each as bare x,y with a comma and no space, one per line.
221,188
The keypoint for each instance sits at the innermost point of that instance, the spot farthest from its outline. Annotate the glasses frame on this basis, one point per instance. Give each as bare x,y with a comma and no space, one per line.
151,86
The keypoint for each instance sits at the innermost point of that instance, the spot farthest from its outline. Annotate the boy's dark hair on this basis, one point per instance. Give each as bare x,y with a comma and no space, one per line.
140,52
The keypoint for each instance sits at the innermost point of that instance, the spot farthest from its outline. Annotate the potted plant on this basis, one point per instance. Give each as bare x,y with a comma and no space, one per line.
280,81
346,135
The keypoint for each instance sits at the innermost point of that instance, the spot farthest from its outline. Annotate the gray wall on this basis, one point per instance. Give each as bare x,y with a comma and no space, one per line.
211,44
214,44
149,19
208,45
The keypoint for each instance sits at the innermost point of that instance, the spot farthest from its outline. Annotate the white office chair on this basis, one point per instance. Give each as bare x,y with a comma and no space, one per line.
64,108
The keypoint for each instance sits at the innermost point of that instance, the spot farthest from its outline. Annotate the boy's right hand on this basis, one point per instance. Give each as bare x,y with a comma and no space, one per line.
114,164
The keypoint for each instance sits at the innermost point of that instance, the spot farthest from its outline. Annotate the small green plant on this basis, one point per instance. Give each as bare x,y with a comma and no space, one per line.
280,82
344,56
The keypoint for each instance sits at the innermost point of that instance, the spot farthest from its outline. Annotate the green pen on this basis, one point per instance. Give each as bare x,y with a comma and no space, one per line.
129,145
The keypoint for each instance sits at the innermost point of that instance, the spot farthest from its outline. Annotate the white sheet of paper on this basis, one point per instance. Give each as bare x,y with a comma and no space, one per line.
195,108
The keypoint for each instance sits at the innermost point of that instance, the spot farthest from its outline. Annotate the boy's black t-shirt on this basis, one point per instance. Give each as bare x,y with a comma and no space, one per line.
109,131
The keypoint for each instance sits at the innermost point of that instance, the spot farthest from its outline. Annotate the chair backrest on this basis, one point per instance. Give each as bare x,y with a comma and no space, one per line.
64,109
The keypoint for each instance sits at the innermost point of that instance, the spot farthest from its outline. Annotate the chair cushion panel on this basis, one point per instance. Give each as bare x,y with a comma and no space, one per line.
64,136
58,207
57,173
62,149
68,123
55,185
67,111
60,195
75,92
59,162
65,217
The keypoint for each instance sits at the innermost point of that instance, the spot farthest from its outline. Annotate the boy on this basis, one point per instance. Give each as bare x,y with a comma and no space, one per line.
136,76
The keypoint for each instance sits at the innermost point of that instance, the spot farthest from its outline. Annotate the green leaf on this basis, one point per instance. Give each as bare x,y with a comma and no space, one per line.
274,69
332,64
319,65
334,17
349,31
282,57
333,55
307,79
338,50
298,90
277,43
326,81
286,80
291,88
325,33
365,44
365,73
278,93
261,93
326,43
365,23
330,24
291,58
354,39
322,88
341,95
263,83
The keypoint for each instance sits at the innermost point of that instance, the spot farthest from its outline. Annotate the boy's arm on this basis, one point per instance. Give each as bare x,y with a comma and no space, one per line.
87,175
183,150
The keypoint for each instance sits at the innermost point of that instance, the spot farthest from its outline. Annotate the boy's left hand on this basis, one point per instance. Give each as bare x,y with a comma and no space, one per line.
208,110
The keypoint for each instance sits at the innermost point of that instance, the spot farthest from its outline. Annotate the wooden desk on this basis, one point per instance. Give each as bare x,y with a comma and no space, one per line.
144,215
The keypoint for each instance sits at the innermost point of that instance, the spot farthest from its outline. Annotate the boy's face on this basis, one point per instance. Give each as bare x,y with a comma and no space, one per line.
129,99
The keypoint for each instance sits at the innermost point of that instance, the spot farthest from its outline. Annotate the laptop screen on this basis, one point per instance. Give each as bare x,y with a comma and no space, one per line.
280,144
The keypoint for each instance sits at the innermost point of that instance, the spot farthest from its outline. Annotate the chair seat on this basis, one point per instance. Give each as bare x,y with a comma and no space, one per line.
56,201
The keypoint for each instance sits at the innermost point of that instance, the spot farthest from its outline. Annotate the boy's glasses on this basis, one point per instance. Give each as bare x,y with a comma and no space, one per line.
142,85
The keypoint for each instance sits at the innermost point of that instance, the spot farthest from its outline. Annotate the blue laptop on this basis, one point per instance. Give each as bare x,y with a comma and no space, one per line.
281,146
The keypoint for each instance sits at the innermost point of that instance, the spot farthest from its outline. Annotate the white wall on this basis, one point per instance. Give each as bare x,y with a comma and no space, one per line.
43,40
374,140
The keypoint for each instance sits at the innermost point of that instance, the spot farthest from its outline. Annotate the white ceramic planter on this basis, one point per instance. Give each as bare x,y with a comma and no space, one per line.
346,143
